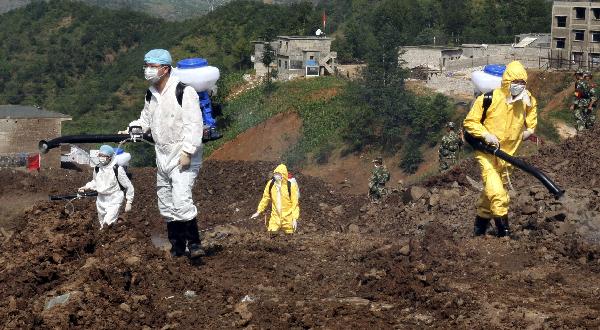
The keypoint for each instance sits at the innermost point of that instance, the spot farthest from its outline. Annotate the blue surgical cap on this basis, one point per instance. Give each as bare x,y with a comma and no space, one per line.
107,150
158,56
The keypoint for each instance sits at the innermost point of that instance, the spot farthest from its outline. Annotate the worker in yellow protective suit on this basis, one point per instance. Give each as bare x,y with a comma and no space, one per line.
283,195
510,119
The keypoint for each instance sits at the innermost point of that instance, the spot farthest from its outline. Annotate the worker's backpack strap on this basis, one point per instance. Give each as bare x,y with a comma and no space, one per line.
179,92
487,102
289,184
116,170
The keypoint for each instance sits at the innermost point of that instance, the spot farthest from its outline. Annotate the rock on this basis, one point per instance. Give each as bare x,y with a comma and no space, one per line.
89,262
555,216
174,314
189,294
12,303
124,307
59,300
417,192
450,195
405,250
133,260
423,318
376,307
242,310
338,210
455,185
353,228
363,208
375,273
528,209
323,206
434,200
137,299
357,301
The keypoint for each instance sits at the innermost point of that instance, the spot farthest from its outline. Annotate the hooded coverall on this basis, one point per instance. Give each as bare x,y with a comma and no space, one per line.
175,129
507,122
284,209
110,195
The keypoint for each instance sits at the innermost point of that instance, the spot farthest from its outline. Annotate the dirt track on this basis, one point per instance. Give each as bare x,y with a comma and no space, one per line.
408,263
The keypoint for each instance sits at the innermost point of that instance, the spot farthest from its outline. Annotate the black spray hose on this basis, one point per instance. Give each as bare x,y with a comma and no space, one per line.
478,144
73,196
45,146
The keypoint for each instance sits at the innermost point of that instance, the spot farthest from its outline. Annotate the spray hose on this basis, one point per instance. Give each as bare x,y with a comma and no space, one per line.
45,146
480,145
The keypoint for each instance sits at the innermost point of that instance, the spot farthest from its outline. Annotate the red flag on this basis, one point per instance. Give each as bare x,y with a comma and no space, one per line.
33,162
324,20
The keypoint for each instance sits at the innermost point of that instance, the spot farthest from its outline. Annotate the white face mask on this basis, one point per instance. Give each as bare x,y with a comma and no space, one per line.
277,177
104,160
151,74
516,89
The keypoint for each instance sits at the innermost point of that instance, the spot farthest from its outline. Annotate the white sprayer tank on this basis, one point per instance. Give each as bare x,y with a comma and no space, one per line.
197,73
488,79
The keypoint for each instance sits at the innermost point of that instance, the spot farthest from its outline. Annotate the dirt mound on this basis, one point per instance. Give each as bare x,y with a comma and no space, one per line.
408,262
267,141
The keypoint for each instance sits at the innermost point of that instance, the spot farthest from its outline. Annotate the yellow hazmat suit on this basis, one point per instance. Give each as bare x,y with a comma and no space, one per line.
285,209
507,121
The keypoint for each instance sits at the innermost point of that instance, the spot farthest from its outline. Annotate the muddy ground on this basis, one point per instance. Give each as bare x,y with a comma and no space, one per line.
410,262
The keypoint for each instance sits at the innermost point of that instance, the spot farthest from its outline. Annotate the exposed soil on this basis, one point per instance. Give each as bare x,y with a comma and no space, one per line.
410,262
267,141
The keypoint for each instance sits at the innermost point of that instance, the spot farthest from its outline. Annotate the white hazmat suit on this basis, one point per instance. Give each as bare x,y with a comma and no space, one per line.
175,129
110,196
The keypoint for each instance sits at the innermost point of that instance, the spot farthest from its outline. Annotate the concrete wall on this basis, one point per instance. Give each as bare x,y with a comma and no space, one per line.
590,25
23,135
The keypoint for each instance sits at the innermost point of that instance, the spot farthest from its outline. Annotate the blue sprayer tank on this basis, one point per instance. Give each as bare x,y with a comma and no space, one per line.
488,79
203,78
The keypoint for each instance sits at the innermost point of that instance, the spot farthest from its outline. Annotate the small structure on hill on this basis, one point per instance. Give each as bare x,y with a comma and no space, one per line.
21,129
297,56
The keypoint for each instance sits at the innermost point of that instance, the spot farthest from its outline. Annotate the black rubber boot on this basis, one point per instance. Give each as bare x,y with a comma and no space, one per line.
481,226
502,226
176,233
192,236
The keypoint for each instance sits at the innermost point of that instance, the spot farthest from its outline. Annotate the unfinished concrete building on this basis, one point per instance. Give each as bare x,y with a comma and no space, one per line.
575,34
297,56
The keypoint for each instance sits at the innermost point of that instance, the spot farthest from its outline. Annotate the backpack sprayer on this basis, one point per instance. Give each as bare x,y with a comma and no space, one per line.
485,82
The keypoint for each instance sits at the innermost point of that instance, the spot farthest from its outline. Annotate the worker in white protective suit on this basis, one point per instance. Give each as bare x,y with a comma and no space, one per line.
176,127
112,184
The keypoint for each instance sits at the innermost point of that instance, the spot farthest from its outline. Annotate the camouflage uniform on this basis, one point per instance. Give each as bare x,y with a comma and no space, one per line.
379,177
585,97
449,149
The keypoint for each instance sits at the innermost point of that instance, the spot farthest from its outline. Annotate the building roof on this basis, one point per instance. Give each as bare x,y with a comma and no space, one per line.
304,38
22,111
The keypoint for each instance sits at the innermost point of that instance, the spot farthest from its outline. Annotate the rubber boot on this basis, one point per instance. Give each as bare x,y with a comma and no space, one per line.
192,236
481,226
176,234
502,226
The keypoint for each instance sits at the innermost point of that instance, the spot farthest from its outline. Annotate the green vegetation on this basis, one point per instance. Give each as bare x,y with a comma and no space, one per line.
323,116
451,22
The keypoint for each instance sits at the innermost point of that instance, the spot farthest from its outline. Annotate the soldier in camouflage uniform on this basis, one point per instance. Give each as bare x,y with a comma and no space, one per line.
379,177
584,100
449,148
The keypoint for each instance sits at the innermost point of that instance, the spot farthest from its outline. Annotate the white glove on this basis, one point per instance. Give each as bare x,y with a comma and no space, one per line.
491,139
527,133
185,160
295,224
128,207
82,189
255,215
124,132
